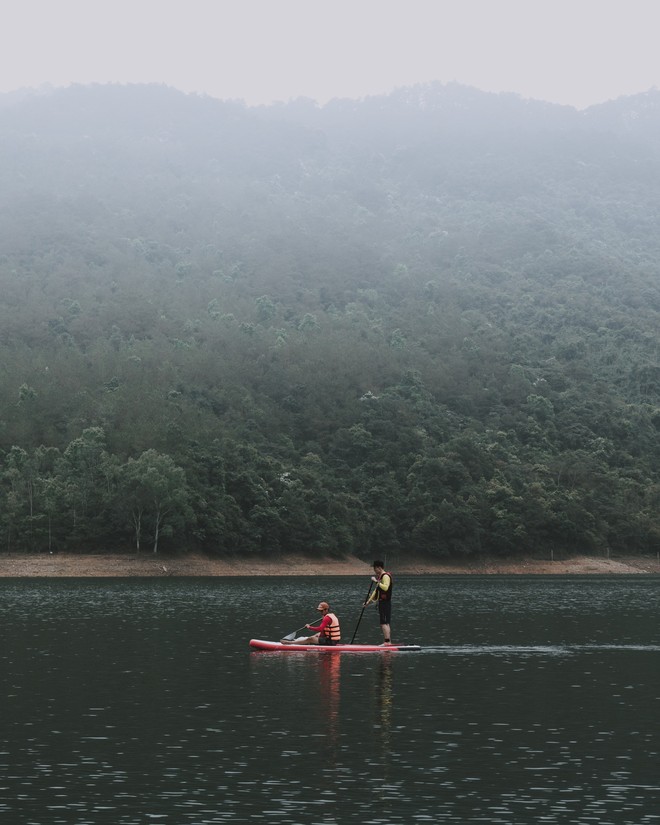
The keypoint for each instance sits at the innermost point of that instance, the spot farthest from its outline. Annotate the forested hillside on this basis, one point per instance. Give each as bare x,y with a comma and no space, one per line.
421,323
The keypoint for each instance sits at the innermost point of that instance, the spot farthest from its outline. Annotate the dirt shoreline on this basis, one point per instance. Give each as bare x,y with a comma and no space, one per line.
128,566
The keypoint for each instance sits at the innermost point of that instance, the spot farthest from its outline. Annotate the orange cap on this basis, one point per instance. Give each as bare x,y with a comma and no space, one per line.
323,606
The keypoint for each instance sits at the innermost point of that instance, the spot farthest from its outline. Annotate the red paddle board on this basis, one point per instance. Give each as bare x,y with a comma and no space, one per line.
260,644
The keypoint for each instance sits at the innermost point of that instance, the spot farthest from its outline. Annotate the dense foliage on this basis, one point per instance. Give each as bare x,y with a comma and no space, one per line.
426,322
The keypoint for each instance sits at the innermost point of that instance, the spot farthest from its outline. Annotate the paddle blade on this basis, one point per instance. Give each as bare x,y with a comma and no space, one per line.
294,633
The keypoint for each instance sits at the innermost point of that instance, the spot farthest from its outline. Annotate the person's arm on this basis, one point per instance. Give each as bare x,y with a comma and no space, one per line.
381,584
384,583
325,621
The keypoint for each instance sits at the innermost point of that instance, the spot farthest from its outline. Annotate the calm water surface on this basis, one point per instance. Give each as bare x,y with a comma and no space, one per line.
535,700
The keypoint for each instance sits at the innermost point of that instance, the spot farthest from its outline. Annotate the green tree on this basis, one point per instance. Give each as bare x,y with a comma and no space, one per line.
87,475
157,495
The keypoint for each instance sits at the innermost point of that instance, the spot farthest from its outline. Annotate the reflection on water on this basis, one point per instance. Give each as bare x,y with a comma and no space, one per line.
329,688
534,701
385,698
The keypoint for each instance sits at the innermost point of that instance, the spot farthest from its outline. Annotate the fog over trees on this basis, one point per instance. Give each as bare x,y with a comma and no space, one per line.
419,323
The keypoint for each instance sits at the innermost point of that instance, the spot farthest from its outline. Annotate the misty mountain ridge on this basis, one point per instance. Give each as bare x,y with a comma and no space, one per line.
425,321
144,107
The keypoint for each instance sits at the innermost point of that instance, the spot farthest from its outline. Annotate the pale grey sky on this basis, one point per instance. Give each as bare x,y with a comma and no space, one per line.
577,52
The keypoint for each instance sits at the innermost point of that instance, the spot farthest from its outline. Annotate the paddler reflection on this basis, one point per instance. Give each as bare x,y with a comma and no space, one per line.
385,702
329,687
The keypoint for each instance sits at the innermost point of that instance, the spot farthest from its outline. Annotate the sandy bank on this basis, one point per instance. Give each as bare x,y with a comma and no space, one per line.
64,565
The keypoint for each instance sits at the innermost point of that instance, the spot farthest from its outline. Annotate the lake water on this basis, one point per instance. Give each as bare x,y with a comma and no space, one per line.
535,700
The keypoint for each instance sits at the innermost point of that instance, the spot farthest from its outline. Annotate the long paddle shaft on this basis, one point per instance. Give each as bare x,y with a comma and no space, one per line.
293,634
371,584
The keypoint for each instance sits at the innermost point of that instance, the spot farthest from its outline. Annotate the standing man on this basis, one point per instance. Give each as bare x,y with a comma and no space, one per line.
382,594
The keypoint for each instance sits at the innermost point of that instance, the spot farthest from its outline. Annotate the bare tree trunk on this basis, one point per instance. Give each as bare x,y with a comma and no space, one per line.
137,524
157,530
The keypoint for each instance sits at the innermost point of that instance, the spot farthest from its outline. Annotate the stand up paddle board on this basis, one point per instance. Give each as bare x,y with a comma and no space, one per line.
261,644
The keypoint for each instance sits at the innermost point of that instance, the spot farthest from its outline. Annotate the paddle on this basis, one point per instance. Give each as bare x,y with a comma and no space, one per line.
371,584
290,636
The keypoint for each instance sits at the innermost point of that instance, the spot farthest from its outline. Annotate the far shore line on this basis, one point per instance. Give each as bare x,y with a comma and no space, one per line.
69,565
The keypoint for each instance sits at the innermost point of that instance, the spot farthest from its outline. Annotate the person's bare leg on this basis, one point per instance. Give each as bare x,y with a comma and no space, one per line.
387,637
303,640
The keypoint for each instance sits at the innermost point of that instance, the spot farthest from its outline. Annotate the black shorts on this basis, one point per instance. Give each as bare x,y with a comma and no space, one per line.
385,610
324,640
